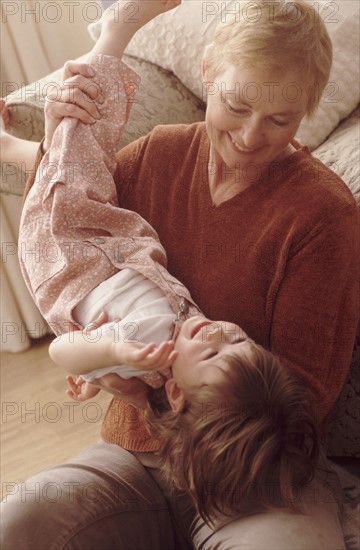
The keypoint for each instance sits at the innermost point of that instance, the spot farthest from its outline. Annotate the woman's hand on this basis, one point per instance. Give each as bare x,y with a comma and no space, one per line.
75,98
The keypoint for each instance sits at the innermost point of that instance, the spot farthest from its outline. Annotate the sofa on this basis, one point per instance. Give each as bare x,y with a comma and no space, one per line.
171,92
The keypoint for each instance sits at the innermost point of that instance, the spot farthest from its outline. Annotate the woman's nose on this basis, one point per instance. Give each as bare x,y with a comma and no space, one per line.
252,135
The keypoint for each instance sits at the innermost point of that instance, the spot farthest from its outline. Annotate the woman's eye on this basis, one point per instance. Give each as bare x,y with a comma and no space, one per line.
280,122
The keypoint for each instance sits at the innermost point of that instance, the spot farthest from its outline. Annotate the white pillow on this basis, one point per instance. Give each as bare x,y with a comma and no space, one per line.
341,94
176,40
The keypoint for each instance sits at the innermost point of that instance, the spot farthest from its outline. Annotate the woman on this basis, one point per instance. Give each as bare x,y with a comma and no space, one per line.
263,235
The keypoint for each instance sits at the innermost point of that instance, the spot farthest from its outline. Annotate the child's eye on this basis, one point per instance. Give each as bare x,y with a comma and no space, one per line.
239,340
212,354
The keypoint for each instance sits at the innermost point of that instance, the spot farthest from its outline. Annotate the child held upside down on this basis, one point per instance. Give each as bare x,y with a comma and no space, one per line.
225,408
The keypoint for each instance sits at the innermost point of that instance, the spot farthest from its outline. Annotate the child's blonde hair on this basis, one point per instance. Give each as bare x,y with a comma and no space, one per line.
244,445
277,36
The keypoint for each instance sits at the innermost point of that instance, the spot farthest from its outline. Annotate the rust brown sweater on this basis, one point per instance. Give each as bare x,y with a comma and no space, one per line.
280,259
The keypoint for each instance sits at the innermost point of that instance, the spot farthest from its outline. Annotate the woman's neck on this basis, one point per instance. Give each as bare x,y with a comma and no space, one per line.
226,183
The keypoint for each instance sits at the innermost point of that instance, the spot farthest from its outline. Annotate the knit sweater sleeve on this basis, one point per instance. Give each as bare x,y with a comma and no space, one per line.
128,159
316,309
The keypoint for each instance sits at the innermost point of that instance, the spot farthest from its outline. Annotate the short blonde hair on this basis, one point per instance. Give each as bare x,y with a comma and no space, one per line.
277,37
244,445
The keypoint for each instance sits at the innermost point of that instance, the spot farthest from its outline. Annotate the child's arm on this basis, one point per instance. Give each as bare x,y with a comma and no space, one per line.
79,353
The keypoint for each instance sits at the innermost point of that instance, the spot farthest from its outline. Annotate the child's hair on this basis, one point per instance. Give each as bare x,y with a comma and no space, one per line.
279,36
243,445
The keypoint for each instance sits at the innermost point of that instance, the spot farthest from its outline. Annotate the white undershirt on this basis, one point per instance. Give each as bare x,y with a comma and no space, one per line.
137,309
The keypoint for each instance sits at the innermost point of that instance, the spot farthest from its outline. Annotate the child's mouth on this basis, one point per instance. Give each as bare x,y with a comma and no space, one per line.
198,327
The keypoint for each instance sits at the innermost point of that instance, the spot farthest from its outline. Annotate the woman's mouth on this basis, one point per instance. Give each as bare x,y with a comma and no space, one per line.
238,148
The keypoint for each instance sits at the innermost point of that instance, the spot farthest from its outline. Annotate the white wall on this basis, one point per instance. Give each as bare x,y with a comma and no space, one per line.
38,36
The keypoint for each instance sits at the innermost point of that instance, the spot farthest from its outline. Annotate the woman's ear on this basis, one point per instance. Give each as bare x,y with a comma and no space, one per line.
175,395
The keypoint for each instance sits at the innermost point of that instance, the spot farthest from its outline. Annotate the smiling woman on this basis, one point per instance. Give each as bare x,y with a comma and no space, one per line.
255,103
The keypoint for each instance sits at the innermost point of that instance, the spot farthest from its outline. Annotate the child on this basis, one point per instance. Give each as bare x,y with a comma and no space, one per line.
90,255
237,427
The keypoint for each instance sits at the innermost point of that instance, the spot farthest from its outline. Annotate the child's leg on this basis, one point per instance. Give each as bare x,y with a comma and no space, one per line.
73,200
74,197
118,25
5,115
121,21
13,149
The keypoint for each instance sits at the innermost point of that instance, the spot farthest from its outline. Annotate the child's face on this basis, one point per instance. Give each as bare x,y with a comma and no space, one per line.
201,345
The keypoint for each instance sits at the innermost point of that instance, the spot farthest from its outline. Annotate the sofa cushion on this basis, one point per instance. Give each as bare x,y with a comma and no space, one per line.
161,99
176,40
340,152
343,434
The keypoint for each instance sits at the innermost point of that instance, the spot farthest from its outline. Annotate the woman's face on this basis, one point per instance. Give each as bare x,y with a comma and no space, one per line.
252,115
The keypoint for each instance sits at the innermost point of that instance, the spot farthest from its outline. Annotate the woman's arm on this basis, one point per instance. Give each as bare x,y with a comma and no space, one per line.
317,307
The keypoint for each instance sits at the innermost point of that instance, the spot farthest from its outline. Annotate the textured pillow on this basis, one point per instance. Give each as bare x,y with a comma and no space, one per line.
176,40
340,152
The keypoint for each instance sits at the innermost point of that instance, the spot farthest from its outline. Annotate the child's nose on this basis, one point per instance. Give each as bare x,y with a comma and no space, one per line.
216,333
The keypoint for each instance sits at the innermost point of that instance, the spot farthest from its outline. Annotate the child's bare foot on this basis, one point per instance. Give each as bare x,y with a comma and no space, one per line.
5,138
4,116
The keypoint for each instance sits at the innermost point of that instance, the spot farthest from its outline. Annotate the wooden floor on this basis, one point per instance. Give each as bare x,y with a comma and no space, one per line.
41,426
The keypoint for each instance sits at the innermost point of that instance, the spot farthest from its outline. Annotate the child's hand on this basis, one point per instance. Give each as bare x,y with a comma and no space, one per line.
80,390
146,356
